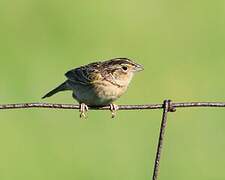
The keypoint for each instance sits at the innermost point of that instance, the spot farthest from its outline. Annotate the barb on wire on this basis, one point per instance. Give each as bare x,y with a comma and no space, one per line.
121,107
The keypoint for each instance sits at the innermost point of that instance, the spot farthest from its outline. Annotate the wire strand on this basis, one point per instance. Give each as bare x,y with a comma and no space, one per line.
120,107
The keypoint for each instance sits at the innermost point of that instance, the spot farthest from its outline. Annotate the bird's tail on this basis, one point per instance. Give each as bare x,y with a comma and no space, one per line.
61,87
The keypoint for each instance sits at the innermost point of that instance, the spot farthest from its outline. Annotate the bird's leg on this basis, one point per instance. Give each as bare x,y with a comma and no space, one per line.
83,110
113,109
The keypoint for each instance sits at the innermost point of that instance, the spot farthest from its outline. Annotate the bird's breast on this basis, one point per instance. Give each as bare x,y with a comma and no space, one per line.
107,90
99,93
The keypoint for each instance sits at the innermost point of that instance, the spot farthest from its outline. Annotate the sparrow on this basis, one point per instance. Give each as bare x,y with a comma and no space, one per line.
99,83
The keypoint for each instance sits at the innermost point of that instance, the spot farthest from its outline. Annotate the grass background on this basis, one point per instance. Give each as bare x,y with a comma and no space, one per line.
181,45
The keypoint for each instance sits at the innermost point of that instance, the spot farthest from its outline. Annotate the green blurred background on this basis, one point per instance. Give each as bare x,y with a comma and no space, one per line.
181,45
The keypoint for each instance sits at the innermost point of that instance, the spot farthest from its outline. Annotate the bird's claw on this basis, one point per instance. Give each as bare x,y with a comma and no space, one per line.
113,109
83,110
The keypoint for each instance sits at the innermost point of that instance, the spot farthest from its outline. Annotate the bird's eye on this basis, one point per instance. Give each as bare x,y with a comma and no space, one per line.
124,68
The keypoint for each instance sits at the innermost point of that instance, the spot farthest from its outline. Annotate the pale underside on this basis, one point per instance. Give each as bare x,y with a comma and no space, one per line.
97,94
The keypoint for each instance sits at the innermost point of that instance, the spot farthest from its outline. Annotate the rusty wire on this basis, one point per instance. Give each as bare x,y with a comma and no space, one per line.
167,106
121,107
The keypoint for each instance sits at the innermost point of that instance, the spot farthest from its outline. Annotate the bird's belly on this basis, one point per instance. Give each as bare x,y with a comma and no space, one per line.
98,95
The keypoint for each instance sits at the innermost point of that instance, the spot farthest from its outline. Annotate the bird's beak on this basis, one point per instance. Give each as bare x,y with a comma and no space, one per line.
138,68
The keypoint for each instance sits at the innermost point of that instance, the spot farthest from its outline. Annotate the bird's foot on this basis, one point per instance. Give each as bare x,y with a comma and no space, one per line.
113,109
83,110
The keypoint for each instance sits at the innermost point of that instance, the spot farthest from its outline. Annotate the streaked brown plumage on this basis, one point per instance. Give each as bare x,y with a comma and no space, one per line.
99,83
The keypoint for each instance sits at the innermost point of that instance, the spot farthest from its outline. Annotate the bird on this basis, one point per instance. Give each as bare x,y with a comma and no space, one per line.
99,83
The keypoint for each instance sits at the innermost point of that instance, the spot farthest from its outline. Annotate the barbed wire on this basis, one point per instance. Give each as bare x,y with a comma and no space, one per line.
167,106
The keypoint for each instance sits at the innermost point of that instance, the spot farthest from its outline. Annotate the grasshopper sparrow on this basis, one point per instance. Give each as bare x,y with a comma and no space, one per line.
99,83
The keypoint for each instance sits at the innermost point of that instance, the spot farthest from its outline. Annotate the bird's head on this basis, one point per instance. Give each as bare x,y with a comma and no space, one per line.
122,70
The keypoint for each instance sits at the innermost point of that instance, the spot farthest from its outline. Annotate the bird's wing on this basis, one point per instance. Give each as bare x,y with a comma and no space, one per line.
84,74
